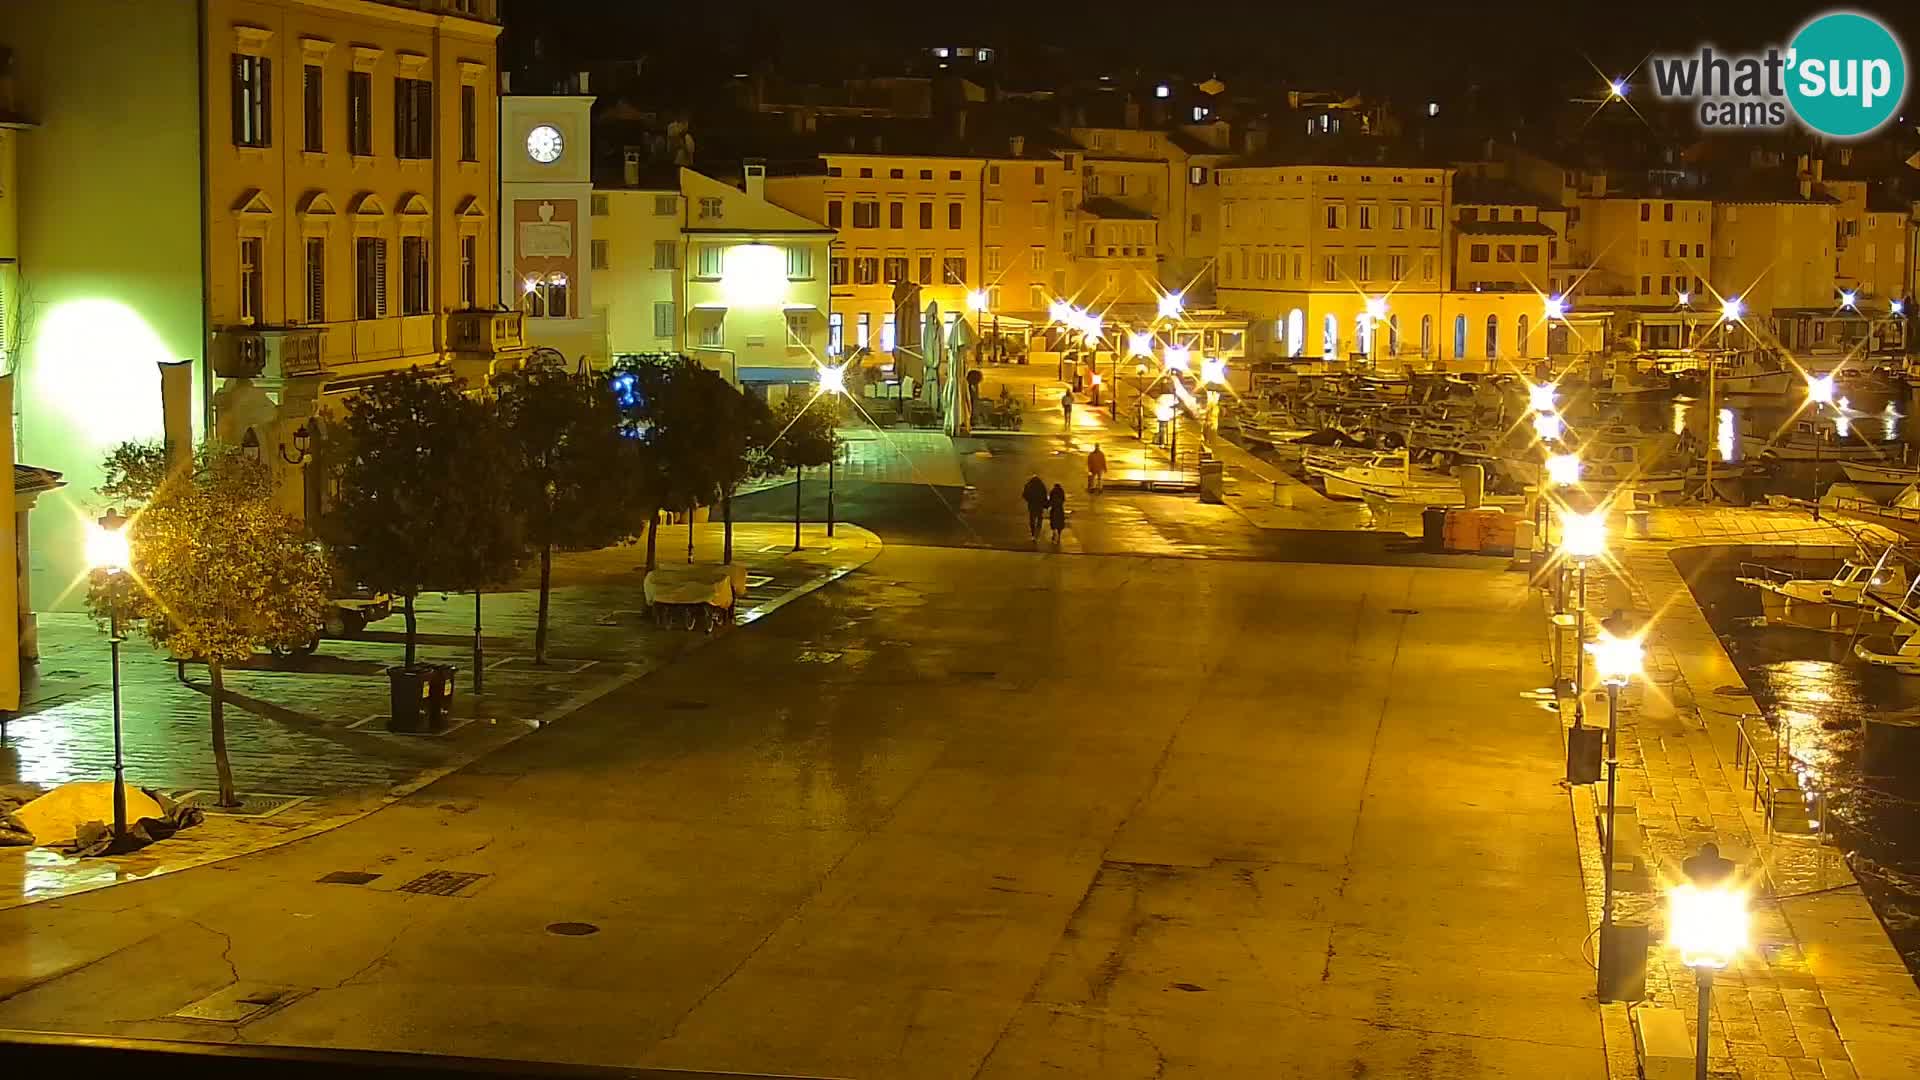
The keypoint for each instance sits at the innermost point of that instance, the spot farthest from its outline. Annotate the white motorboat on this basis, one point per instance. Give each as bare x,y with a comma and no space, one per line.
1837,604
1389,475
1754,373
1806,441
1868,472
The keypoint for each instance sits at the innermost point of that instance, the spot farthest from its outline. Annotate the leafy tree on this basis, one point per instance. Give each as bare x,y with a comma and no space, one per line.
705,435
579,481
805,434
421,470
217,568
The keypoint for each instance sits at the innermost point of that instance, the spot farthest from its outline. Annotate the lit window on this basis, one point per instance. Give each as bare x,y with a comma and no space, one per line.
1163,90
1433,108
836,331
886,333
1199,113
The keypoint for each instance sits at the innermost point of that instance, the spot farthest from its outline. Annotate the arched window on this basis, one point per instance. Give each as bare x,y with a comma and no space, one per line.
1330,337
1493,336
1363,334
1521,336
1426,336
533,299
1459,337
1296,333
557,295
1393,335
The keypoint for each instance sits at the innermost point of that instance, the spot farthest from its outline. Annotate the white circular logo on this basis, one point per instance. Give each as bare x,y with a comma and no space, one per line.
543,144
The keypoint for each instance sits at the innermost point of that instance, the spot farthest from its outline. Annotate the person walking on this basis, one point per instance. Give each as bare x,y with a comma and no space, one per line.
1066,411
1096,470
1035,494
1057,512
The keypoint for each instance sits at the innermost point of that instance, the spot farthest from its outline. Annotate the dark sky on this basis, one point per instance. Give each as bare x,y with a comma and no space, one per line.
1502,45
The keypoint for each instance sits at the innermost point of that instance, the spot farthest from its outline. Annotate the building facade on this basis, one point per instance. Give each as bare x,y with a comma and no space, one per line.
547,240
312,186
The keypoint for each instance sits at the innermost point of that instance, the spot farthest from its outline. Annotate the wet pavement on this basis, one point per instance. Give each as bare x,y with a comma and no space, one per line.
967,813
988,513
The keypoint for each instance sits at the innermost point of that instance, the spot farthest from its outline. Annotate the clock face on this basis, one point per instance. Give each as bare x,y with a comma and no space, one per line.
543,144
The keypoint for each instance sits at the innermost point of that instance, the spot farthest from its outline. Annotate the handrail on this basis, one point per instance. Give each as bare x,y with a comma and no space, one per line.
1767,787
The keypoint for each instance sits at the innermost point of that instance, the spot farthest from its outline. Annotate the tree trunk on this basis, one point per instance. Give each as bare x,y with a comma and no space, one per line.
798,472
540,622
220,762
691,507
726,516
413,630
653,540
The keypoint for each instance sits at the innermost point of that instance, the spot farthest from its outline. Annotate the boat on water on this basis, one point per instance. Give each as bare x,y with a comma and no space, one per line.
1873,472
1806,441
1837,604
1749,373
1388,475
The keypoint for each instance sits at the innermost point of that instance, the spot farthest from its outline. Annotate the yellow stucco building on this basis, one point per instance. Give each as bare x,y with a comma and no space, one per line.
293,195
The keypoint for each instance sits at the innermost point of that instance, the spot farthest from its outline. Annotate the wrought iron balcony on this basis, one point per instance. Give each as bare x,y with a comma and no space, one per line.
266,352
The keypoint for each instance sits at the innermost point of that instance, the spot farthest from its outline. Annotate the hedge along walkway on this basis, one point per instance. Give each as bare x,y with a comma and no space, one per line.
307,736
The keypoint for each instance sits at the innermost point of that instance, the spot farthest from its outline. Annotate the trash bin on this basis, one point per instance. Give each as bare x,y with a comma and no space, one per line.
439,696
1433,529
408,688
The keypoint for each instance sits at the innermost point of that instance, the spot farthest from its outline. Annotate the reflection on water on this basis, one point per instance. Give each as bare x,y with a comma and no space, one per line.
1820,701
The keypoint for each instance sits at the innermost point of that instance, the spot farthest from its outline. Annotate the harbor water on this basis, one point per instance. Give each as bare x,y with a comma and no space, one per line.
1854,726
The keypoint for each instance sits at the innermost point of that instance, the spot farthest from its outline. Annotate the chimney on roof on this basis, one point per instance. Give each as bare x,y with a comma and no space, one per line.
1017,145
1597,184
582,82
630,168
1132,113
756,179
1819,169
1806,185
1800,164
878,143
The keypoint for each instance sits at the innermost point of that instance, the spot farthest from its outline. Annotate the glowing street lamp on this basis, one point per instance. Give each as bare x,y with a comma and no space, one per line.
1548,426
1179,358
1556,308
1376,308
1139,344
1616,660
1540,397
109,552
1848,298
977,300
1707,925
1059,311
1686,299
1171,305
833,382
1896,307
1731,308
1213,371
1563,470
1819,395
1617,89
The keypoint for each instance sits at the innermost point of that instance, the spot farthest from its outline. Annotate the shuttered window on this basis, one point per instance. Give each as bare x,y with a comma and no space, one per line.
252,100
370,277
316,280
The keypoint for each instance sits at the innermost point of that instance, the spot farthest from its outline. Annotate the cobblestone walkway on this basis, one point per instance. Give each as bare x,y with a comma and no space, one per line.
1821,992
312,729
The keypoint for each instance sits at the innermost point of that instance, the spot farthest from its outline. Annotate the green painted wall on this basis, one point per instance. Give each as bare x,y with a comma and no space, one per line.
110,242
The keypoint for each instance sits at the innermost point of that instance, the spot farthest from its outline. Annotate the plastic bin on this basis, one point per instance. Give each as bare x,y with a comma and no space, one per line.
408,696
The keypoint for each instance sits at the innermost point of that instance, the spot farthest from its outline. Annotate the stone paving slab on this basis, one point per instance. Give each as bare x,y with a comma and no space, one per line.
314,727
1822,992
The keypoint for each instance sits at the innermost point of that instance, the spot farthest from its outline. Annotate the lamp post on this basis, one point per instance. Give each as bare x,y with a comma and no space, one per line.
1582,537
107,550
977,302
833,382
1707,924
1376,311
1819,395
1616,660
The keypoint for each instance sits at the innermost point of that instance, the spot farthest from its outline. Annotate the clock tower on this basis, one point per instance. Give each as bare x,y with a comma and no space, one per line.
546,222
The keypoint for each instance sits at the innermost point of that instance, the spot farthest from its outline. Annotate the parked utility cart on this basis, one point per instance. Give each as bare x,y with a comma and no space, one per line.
695,597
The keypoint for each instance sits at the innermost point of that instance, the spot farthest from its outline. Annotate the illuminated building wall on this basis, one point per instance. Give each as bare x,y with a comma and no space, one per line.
1645,251
1871,241
1027,234
639,284
754,278
109,281
548,224
1775,253
1170,176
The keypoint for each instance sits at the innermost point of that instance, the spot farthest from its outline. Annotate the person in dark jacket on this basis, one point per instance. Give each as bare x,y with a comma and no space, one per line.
1035,494
1057,511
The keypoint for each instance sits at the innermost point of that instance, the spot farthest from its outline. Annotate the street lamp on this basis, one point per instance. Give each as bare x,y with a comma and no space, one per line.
1556,308
1730,309
833,381
1563,470
1171,305
1616,660
1179,358
977,301
1707,924
1540,397
1376,314
1548,426
1848,298
1582,537
1819,395
1617,89
108,551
